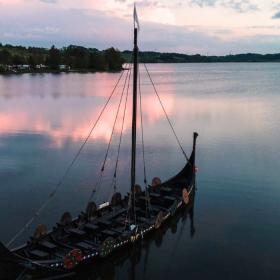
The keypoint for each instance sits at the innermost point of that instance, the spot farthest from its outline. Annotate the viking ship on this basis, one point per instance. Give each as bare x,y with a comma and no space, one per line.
101,231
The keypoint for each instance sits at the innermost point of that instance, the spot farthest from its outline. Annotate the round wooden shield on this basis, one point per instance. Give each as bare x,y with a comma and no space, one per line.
66,219
185,196
91,210
159,220
82,219
156,182
73,258
40,232
77,255
107,247
116,199
137,189
69,263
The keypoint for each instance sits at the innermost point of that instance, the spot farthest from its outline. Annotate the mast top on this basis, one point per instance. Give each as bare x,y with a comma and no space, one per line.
136,19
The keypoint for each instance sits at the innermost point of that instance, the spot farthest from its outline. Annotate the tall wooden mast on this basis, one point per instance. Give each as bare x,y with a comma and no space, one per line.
134,118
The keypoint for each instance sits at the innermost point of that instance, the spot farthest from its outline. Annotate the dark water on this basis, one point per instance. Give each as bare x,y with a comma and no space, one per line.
235,109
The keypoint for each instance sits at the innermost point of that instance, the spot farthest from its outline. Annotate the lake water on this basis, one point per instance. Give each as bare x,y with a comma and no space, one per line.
235,110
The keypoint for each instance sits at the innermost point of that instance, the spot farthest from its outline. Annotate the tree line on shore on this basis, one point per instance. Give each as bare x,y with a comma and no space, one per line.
157,57
79,58
74,57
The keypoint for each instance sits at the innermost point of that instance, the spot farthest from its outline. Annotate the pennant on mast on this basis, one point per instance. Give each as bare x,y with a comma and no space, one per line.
136,19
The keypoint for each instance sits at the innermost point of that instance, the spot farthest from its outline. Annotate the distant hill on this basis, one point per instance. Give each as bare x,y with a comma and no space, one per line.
157,57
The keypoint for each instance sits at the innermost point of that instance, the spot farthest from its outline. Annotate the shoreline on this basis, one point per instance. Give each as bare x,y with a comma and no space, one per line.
88,71
80,71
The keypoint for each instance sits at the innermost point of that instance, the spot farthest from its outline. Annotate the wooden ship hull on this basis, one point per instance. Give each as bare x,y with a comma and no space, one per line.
98,233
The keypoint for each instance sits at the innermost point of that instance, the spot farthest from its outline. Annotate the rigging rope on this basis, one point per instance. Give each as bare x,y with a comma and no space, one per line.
52,194
122,127
110,141
142,129
143,146
166,115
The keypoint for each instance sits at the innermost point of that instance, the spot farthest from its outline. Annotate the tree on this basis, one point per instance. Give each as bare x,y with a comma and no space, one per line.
97,61
32,61
18,59
54,58
77,57
114,59
5,57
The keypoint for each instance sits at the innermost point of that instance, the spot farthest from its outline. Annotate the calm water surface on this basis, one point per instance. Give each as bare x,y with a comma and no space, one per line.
235,109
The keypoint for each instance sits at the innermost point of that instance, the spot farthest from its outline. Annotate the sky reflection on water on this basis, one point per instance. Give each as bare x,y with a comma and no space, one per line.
235,109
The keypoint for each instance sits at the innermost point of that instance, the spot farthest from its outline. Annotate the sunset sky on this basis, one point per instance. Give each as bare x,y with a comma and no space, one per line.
188,26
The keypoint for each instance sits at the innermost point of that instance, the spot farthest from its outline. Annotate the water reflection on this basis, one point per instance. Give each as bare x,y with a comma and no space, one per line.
70,118
235,109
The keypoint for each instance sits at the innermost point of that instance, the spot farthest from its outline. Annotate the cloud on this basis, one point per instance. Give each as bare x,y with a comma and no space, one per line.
148,4
237,5
49,1
242,6
277,15
203,3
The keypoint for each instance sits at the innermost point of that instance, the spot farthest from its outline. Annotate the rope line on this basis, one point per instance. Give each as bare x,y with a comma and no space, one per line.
51,195
147,202
122,128
142,130
127,218
166,115
114,125
99,183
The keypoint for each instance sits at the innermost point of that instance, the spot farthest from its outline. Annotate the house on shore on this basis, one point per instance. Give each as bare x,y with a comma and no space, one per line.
63,67
22,67
40,67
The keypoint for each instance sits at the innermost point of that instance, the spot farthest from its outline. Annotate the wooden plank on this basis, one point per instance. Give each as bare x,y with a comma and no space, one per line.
48,245
92,243
39,254
118,212
171,198
83,245
77,231
154,195
105,223
118,231
91,227
109,232
166,189
157,208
